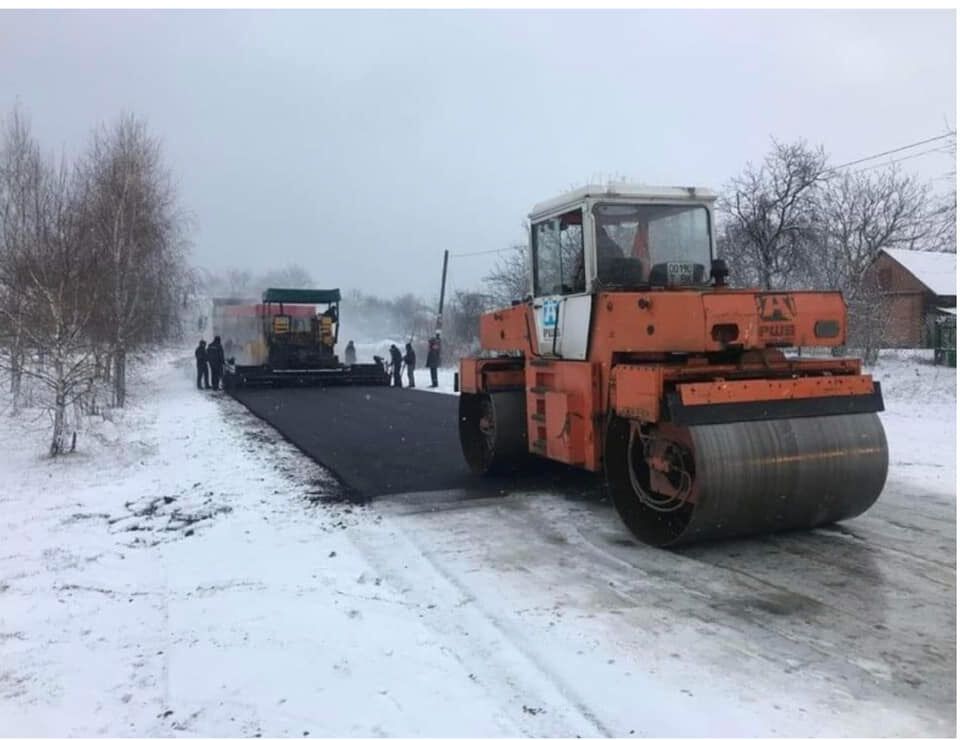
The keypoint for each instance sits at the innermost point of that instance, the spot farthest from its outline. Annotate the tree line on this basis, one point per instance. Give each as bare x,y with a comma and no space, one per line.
92,266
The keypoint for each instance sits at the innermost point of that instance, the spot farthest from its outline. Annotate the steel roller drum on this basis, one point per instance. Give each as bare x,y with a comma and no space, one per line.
765,476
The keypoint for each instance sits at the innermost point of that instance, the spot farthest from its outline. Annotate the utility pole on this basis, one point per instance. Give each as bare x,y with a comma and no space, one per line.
443,289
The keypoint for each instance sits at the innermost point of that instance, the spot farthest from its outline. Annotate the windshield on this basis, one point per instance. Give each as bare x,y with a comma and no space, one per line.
661,244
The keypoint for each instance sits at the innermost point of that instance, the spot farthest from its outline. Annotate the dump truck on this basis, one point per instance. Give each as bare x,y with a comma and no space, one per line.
290,337
634,358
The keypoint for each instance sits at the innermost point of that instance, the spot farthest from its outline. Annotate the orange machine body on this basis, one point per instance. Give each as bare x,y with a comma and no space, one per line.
666,354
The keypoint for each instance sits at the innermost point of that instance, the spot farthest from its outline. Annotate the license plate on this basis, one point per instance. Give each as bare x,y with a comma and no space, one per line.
679,272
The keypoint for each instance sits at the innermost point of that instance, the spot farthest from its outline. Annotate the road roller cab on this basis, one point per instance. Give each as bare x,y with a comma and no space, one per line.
632,357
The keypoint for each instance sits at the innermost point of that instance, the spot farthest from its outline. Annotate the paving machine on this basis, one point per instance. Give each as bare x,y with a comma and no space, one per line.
290,337
634,358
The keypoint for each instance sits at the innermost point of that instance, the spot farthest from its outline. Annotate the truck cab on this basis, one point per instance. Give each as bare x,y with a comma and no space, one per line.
609,239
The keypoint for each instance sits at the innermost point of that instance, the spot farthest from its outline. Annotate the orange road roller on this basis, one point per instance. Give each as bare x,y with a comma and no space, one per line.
633,358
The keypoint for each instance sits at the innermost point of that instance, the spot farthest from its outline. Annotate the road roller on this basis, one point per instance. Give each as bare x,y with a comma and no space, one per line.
710,411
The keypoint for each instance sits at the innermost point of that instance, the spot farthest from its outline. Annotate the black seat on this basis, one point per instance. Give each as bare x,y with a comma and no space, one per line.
621,272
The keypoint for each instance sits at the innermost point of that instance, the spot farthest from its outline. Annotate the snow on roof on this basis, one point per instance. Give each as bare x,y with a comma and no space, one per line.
936,270
625,190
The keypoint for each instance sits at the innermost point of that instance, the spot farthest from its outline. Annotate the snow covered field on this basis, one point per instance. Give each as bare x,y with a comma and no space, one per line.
187,572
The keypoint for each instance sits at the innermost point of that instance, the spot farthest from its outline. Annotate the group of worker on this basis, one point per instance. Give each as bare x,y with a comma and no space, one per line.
406,359
210,361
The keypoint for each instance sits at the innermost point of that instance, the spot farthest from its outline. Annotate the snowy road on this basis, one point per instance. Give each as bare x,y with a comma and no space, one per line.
190,573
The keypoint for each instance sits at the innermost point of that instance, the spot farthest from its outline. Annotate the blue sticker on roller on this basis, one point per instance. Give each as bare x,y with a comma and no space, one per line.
550,310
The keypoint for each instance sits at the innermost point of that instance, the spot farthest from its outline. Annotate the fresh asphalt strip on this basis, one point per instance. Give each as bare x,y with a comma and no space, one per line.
380,441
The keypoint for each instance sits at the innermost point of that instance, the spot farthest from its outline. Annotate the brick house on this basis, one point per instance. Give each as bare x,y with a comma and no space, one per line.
916,288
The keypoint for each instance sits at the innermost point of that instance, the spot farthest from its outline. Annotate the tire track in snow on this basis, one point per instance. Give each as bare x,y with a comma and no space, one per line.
803,625
439,620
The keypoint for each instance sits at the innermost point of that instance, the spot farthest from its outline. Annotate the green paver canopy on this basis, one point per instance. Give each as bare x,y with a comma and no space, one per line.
298,295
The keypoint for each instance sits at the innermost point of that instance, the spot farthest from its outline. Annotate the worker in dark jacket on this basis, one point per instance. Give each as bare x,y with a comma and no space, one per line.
410,360
433,358
396,361
201,354
215,358
350,356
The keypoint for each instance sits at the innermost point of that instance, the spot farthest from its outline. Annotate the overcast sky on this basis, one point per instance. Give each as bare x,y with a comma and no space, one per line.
361,144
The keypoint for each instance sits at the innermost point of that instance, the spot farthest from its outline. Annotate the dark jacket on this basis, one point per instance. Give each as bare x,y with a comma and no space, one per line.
201,354
395,357
215,353
410,357
351,354
433,353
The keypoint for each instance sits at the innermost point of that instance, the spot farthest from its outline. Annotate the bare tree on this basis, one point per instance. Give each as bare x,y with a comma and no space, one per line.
860,213
462,320
137,231
509,280
868,320
58,289
411,317
21,173
291,276
943,212
768,216
943,217
239,284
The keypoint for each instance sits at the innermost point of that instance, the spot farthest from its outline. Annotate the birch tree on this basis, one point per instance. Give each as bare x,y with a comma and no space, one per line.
136,230
21,172
57,290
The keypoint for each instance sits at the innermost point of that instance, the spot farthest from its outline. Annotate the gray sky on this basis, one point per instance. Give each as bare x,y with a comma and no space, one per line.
361,144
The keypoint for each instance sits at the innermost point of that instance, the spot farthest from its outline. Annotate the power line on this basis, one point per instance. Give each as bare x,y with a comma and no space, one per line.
935,150
894,151
486,251
914,145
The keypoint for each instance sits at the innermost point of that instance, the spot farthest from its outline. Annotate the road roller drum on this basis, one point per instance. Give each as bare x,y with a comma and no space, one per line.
673,485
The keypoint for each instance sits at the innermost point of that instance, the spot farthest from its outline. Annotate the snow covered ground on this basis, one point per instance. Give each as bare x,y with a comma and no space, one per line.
187,572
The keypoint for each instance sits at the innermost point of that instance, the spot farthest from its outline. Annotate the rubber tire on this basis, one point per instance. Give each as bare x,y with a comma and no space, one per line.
509,451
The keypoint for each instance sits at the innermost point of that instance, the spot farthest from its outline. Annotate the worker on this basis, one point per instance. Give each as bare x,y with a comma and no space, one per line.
433,358
201,354
350,356
396,361
215,358
410,360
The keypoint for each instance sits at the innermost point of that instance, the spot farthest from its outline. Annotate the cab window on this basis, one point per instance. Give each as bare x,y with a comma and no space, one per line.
558,255
640,244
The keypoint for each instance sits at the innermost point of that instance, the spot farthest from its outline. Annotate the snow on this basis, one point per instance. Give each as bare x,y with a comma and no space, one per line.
187,572
936,270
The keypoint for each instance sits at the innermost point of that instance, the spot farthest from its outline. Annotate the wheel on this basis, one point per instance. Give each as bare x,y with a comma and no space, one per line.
493,430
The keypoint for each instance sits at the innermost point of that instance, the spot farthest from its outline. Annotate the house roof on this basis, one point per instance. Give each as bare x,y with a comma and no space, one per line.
936,270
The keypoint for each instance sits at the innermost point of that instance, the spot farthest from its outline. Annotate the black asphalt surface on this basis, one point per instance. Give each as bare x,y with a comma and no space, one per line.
379,441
